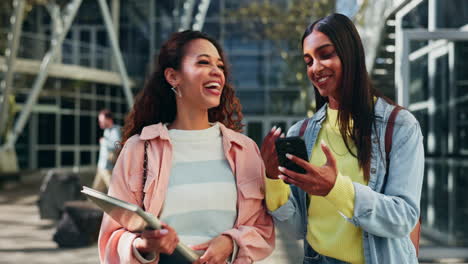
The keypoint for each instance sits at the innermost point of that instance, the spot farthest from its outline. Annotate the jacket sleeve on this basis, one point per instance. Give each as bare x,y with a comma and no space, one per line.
292,216
255,232
115,243
394,213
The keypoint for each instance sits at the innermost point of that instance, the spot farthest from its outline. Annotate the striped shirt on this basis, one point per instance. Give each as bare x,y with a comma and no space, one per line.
201,198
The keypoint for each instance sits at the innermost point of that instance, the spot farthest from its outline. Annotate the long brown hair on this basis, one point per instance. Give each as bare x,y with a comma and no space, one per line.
156,103
356,93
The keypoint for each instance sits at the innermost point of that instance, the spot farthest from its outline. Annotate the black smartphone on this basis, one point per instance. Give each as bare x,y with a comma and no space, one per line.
292,145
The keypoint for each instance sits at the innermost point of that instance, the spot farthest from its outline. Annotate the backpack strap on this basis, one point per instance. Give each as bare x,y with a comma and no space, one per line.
388,141
303,127
416,232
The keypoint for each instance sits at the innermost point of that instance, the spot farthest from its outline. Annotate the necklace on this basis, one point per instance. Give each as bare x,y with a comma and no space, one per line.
330,143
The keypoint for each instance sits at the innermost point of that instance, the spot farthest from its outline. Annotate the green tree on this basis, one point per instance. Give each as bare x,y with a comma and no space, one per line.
283,23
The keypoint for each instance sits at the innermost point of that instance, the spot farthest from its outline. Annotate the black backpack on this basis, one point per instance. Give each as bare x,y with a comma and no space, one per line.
79,225
56,189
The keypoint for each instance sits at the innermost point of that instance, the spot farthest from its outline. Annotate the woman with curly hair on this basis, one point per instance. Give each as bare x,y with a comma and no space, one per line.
201,177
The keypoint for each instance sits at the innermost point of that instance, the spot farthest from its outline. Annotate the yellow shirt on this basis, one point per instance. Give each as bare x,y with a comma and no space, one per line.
328,232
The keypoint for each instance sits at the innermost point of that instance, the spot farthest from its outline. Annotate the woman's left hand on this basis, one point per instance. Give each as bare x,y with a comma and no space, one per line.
217,250
317,180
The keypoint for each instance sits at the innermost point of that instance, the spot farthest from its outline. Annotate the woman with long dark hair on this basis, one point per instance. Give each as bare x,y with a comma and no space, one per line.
352,205
204,179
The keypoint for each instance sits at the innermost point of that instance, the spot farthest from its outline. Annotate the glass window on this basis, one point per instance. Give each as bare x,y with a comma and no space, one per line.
67,102
46,158
417,18
453,15
211,28
46,129
418,89
85,158
99,131
102,38
113,107
461,203
68,158
246,71
101,89
86,104
441,117
85,130
462,137
67,134
22,147
286,102
255,131
100,104
46,100
253,102
113,90
441,203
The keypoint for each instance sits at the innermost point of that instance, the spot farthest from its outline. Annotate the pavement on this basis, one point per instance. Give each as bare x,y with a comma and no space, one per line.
25,238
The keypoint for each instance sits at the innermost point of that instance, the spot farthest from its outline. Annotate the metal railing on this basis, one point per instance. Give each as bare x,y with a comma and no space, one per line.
34,45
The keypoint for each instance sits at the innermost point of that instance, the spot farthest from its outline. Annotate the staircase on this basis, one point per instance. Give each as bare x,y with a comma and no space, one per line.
383,72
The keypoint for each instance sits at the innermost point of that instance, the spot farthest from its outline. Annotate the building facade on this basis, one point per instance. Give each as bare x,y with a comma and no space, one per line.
417,55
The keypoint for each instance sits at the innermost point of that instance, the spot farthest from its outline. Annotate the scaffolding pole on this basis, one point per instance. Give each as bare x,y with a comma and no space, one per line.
57,26
115,12
11,53
69,14
186,17
200,16
152,30
116,50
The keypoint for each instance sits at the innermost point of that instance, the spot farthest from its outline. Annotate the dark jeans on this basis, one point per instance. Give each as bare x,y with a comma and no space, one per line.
312,257
175,258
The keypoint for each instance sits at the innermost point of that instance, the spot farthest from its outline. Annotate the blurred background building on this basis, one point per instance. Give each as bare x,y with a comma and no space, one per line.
63,61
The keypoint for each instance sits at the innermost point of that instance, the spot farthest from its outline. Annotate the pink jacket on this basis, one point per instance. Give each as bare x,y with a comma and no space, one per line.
253,230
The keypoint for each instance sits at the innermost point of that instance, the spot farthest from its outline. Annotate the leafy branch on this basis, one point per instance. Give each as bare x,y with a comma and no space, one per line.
283,23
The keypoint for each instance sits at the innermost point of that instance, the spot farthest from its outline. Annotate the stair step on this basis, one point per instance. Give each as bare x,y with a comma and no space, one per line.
383,78
390,23
380,74
388,42
381,71
384,61
384,86
389,82
384,66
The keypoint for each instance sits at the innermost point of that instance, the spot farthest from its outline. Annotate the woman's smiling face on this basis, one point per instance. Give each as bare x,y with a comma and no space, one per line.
324,67
201,75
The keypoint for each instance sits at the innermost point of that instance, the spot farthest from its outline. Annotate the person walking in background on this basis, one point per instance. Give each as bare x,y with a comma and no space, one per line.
185,161
107,150
351,205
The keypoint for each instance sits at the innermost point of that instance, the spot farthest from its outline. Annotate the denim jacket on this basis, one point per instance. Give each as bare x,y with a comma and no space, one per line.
386,218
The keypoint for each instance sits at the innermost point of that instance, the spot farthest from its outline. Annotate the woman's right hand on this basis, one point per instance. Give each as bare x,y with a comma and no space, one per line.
164,240
268,151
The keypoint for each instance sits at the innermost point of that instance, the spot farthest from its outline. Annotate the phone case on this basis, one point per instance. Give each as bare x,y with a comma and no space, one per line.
292,145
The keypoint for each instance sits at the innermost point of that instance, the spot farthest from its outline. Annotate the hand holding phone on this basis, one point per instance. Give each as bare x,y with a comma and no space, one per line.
292,145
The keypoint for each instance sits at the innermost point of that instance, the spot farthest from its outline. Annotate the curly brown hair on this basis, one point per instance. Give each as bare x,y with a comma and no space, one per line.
156,103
